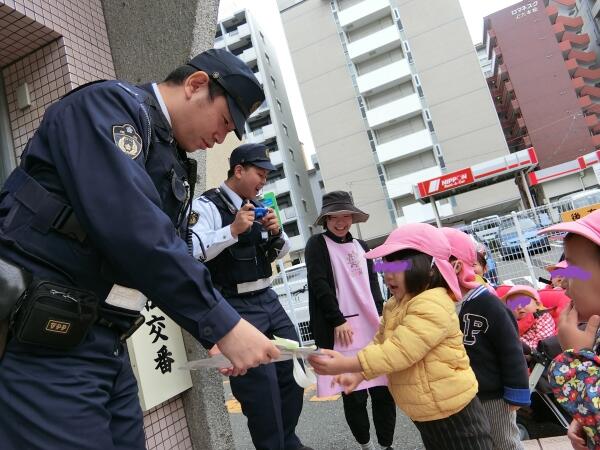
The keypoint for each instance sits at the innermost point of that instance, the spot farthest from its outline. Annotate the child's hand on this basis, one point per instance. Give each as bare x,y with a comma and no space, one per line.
348,381
333,363
577,436
570,336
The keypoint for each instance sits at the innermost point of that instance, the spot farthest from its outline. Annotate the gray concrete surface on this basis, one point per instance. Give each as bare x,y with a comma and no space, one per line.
322,426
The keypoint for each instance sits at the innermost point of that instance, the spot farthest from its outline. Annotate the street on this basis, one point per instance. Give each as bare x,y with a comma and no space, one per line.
322,425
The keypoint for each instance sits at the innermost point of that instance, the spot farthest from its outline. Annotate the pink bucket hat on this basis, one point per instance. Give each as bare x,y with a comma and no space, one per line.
588,227
463,248
424,238
559,265
522,289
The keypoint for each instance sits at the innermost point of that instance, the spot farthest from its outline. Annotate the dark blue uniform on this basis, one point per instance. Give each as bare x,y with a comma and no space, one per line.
106,154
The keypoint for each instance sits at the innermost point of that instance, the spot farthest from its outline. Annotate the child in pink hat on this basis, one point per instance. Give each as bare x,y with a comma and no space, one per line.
535,321
575,374
419,343
492,342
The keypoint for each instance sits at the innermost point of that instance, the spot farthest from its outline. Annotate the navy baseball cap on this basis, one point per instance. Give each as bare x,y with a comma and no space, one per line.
255,154
244,92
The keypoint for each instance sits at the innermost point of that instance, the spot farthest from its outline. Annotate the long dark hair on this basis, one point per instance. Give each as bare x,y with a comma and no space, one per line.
421,275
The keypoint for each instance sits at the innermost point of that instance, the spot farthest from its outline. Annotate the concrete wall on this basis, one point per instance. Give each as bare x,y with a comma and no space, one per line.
338,130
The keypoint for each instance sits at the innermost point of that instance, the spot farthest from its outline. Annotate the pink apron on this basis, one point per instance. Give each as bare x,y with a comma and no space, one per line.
355,300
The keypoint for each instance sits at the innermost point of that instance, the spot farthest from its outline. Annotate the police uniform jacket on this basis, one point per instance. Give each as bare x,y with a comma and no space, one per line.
107,154
221,248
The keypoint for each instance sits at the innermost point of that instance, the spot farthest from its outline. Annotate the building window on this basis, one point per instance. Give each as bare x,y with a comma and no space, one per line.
285,129
298,179
273,81
321,184
279,106
291,229
261,36
304,205
292,154
268,59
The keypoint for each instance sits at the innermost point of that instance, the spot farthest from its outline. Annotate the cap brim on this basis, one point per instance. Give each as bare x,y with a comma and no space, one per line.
575,228
263,164
239,119
384,250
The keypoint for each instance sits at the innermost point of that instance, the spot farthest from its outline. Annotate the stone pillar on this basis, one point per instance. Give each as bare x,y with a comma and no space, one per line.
149,38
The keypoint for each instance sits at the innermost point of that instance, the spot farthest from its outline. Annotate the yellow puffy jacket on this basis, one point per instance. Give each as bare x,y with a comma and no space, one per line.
419,346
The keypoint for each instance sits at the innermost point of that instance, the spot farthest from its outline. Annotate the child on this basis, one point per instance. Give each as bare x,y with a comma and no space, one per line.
419,343
535,321
492,342
557,281
575,374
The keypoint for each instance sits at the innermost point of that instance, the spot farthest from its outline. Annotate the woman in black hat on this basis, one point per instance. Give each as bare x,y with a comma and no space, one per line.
345,304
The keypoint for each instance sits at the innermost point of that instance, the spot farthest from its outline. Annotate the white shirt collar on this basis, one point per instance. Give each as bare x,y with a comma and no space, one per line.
161,102
236,199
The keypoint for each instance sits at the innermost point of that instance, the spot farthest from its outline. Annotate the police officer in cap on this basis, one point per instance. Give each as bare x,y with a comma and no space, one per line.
99,206
238,247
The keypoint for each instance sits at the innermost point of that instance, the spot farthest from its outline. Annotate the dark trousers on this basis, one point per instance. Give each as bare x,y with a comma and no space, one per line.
384,414
86,398
468,429
270,398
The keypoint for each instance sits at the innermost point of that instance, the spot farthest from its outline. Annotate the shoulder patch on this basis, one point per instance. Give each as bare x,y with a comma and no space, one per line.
127,139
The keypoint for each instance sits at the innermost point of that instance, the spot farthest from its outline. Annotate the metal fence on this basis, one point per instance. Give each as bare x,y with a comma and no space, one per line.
517,253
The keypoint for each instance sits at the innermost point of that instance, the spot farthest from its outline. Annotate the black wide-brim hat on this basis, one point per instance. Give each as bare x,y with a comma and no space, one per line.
340,202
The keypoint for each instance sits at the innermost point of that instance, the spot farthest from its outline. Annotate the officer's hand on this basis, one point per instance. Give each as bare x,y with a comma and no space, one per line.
270,222
243,220
246,347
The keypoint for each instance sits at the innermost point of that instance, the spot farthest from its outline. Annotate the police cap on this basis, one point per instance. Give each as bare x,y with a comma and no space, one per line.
255,154
244,93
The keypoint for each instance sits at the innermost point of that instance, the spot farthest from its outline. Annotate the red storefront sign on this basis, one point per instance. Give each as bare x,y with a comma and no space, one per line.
446,182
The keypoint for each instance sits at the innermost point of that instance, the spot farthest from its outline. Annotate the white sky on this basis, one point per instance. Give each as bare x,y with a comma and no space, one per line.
266,14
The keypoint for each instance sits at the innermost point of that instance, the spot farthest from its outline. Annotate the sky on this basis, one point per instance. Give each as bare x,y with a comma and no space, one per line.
267,15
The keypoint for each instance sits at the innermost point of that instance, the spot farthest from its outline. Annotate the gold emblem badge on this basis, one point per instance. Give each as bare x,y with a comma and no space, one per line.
127,139
56,326
193,220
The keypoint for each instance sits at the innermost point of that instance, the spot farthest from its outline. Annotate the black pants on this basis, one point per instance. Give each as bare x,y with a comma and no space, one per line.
468,429
384,414
270,398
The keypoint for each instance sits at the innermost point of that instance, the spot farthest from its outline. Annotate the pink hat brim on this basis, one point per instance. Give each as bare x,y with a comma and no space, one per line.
384,250
578,227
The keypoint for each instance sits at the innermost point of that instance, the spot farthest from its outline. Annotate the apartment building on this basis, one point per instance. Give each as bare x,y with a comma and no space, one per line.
272,125
395,95
544,72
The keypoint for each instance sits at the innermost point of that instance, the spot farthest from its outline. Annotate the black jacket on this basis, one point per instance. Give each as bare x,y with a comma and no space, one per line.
491,339
323,305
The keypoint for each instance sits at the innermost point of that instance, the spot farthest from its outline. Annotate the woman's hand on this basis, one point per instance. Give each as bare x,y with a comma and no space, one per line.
348,381
577,436
333,363
569,334
343,334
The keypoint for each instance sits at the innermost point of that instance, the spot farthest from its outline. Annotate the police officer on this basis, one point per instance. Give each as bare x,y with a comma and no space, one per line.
99,205
238,249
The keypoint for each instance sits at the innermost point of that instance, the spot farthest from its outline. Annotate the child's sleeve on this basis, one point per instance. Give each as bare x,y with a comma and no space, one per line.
425,325
525,323
574,378
509,351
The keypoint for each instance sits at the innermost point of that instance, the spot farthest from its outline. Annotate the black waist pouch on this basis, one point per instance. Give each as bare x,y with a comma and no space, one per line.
54,315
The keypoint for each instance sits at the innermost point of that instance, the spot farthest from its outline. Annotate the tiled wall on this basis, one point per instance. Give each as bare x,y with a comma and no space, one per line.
166,427
54,46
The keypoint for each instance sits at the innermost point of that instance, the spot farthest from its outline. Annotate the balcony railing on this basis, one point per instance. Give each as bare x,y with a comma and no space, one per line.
405,107
374,44
404,146
363,13
384,77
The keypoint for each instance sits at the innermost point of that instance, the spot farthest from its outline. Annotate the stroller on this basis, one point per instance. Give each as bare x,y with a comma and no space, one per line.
544,417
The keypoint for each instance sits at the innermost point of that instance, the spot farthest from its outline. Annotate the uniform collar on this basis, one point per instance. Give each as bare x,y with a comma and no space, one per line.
161,102
235,199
